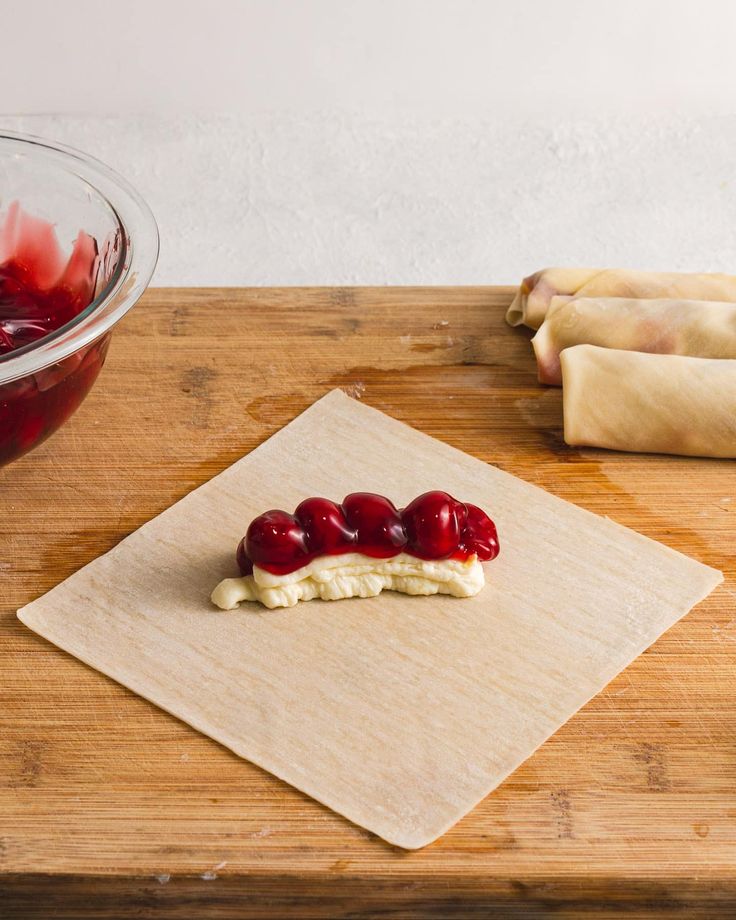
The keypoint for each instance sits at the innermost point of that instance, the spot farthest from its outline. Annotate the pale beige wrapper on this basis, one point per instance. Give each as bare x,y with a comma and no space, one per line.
668,404
699,328
400,713
537,292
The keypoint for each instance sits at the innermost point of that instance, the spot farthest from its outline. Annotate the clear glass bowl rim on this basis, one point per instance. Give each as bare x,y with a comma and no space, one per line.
138,257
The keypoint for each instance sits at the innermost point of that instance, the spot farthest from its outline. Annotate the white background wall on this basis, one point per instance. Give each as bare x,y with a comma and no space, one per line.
446,57
413,141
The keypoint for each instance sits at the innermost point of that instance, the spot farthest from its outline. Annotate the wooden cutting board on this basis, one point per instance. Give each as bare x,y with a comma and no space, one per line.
106,803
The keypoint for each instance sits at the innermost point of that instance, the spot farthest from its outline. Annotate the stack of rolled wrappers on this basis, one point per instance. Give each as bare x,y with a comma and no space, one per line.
647,361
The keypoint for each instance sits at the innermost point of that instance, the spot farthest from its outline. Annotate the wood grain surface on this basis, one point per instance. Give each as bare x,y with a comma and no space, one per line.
110,808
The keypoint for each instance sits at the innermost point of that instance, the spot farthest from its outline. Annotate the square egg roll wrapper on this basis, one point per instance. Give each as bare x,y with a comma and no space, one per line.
537,292
648,403
700,328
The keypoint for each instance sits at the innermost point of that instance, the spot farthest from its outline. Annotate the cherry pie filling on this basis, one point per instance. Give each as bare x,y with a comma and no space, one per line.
41,291
435,526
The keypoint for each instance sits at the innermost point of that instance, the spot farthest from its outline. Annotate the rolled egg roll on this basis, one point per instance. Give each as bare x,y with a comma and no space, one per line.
538,291
634,401
700,328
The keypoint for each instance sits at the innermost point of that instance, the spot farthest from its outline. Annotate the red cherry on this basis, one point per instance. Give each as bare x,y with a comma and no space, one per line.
479,535
377,523
245,564
31,431
433,524
276,539
325,527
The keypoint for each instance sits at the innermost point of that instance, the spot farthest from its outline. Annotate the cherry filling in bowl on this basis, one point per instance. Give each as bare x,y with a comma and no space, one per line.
77,248
40,292
33,407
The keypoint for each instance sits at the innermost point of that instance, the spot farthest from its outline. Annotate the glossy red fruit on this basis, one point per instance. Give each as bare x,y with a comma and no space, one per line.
479,535
241,557
38,295
377,523
325,527
433,523
275,540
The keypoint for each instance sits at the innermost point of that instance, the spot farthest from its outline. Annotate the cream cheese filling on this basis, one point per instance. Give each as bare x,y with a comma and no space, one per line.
333,578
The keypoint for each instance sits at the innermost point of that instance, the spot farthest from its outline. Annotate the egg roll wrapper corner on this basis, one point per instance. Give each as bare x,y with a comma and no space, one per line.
649,403
699,328
537,292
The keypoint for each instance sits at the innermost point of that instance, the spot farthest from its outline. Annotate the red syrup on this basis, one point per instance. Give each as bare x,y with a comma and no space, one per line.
434,526
41,291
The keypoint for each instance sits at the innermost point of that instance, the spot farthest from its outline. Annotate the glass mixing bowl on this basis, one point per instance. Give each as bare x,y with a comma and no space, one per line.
44,382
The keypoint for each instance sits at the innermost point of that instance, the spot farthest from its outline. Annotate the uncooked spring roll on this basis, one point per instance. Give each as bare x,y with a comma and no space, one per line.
700,328
537,292
668,404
